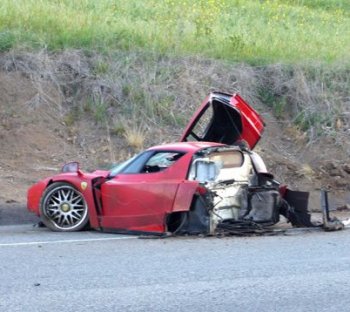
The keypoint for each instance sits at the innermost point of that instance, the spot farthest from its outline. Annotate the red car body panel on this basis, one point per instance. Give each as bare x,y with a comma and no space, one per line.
184,195
35,193
137,205
250,122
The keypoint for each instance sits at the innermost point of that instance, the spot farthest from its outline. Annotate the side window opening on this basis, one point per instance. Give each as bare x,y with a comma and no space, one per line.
137,164
218,122
161,161
201,128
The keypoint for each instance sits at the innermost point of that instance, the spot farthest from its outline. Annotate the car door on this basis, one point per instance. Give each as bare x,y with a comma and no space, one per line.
227,119
139,198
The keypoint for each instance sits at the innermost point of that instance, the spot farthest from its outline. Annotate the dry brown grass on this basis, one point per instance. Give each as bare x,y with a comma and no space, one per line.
101,109
163,91
135,135
316,97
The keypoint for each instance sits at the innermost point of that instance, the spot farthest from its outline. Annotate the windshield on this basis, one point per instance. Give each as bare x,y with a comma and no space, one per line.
120,167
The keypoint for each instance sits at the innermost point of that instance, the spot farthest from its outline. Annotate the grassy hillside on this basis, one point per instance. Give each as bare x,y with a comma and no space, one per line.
150,57
101,79
255,31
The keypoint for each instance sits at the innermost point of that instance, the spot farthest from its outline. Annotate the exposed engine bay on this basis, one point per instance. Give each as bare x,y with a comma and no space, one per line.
237,195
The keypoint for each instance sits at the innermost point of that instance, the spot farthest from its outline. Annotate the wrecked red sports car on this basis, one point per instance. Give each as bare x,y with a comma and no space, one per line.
209,182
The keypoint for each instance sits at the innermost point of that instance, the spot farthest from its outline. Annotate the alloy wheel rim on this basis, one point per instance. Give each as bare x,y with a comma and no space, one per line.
66,207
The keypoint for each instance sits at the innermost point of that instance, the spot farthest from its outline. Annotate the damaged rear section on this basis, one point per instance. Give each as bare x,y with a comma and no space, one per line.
232,193
237,196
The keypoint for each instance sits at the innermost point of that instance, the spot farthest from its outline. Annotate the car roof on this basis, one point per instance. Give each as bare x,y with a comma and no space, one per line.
185,146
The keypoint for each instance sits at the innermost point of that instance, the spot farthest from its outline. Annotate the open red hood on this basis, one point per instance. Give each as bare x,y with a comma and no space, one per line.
225,118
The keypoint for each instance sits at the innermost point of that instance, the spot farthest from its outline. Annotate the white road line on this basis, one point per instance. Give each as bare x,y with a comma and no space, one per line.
66,241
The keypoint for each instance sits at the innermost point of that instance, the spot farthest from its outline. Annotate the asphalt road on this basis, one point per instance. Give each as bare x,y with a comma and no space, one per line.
90,271
16,213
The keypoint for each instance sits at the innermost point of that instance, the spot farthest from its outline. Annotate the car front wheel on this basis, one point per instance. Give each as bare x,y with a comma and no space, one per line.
63,208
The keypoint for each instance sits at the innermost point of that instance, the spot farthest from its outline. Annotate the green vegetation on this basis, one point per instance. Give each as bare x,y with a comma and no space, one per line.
255,31
147,60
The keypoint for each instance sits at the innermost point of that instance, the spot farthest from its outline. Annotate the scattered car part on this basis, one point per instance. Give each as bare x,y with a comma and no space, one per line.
329,224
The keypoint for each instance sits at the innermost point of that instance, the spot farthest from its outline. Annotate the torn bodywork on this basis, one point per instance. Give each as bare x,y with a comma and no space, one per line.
238,197
329,224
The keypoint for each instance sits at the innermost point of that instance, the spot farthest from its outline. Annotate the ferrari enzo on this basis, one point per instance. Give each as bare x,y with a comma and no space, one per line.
210,181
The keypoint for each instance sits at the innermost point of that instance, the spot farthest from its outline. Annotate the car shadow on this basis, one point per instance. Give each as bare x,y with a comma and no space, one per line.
13,213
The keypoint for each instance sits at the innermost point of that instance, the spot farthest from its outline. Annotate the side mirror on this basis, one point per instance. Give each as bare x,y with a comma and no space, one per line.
70,167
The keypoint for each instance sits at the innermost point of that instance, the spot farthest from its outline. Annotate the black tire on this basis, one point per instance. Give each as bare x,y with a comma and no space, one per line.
63,208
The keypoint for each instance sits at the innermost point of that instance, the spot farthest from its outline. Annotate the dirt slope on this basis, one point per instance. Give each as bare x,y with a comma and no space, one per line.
36,141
